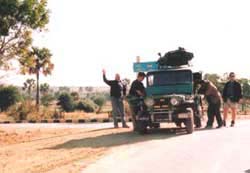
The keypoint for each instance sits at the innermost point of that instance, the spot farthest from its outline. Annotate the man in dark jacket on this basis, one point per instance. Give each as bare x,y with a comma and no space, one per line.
232,95
117,92
137,88
137,91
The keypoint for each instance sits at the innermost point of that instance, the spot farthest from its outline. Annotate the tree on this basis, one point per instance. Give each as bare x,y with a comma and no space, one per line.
44,89
86,105
18,19
65,100
47,99
212,77
245,87
75,96
36,61
100,101
216,80
57,95
29,85
8,97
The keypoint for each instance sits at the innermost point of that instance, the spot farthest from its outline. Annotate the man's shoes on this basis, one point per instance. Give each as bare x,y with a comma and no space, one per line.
224,123
219,126
125,126
232,123
116,126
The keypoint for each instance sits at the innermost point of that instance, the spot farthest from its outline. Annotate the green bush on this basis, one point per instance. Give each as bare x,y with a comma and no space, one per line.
65,100
86,105
47,99
99,100
8,96
75,96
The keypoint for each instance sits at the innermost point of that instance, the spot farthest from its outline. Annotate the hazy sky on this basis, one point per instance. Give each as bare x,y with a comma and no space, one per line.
88,35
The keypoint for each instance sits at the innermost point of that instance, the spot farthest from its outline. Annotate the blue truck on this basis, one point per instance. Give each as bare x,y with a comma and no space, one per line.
171,96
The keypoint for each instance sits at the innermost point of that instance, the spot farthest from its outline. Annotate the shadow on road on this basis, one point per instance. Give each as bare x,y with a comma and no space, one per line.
118,139
207,129
247,171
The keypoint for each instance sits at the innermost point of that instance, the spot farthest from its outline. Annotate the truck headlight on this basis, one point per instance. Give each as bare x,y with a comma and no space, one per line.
174,101
149,102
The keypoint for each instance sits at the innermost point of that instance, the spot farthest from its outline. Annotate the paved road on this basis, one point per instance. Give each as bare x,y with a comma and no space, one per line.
225,150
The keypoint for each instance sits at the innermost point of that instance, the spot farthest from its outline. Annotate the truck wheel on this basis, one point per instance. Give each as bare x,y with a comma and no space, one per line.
141,127
190,123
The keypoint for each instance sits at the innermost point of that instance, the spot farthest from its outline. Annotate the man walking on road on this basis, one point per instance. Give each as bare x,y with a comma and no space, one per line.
232,95
117,92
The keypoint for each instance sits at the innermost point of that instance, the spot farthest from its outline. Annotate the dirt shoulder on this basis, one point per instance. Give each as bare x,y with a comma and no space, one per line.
61,150
53,150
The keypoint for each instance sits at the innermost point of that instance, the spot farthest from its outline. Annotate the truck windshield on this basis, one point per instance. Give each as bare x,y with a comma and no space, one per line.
169,78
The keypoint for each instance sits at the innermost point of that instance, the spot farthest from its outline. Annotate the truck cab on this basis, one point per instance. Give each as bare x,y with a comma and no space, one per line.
170,96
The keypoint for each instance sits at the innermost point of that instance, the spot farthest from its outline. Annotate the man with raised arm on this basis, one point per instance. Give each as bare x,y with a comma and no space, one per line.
117,92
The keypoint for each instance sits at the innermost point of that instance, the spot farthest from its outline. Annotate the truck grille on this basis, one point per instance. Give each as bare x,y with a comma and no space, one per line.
161,104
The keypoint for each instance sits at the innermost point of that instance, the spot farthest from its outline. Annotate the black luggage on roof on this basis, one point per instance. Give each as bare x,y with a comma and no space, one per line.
176,58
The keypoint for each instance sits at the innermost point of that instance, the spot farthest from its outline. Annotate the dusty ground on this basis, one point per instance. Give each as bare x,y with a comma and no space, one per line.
53,150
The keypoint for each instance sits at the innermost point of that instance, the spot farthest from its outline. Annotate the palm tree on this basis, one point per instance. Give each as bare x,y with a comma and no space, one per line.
29,85
44,88
35,61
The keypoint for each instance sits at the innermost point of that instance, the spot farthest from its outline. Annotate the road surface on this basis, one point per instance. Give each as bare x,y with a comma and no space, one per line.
225,150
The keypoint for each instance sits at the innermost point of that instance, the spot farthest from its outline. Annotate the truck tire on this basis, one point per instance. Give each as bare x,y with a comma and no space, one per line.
141,127
190,124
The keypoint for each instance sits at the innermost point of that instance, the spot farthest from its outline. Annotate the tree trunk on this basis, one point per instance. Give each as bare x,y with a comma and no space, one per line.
29,93
37,90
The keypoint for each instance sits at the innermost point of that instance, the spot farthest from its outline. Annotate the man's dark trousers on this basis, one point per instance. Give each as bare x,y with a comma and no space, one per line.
214,110
118,109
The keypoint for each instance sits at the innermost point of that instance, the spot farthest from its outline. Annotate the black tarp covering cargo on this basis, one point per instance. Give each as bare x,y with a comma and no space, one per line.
176,58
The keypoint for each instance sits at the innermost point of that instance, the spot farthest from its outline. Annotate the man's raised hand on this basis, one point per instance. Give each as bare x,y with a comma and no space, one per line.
103,71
